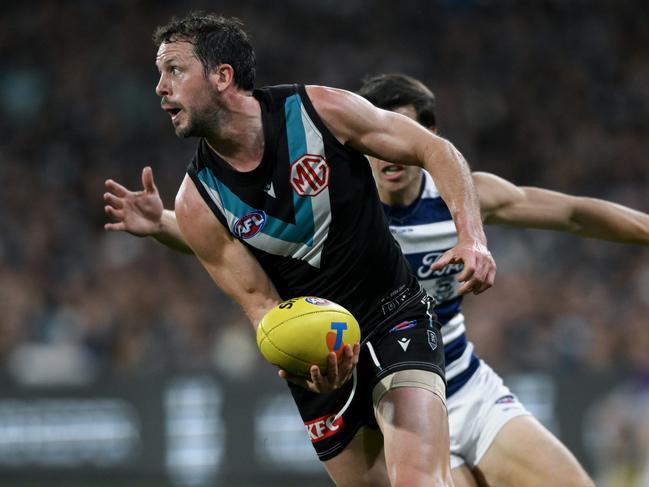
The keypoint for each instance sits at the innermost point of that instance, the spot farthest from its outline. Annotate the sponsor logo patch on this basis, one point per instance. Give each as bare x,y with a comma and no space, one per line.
323,427
335,338
432,339
404,342
508,399
425,272
249,224
309,175
404,325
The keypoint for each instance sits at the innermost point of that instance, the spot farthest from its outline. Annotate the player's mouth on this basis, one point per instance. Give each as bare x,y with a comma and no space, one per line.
392,172
174,112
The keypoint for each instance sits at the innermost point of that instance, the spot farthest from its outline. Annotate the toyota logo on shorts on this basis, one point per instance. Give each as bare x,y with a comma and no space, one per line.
249,224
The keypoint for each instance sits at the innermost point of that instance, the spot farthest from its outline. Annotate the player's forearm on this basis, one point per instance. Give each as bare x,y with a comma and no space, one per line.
454,181
247,285
604,220
169,234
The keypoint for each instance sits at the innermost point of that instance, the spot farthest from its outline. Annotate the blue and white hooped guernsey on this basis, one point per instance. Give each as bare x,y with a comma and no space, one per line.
425,230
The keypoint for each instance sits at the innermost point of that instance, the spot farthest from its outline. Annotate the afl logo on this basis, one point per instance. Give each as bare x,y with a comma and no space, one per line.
318,301
309,175
249,225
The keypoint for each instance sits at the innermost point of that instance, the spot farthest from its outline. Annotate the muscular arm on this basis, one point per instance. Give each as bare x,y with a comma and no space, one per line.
239,275
169,233
504,203
393,137
226,259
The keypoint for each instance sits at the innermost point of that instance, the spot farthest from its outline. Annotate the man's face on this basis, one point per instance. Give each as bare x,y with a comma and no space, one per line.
395,178
187,95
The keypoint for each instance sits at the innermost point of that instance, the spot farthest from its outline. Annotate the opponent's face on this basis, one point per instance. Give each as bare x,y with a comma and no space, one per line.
395,179
187,96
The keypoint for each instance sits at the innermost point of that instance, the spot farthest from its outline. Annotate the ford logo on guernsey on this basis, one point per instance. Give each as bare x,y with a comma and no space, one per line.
249,224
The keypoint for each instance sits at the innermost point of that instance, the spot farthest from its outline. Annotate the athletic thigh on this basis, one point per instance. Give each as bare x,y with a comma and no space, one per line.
526,454
477,411
361,463
416,441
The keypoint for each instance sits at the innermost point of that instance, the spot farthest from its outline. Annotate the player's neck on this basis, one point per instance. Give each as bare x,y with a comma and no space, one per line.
239,136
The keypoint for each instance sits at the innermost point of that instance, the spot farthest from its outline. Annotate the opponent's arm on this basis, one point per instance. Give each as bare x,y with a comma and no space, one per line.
141,213
393,137
504,203
239,275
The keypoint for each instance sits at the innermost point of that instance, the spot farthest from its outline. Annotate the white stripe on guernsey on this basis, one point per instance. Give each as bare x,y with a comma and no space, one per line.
320,203
458,366
416,239
453,329
430,190
266,242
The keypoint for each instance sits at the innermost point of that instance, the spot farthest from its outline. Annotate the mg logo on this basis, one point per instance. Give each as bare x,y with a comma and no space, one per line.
309,175
249,225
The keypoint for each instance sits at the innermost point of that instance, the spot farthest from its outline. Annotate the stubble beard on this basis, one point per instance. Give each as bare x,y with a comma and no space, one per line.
200,123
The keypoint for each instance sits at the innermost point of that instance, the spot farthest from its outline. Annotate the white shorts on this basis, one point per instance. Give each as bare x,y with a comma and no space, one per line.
477,412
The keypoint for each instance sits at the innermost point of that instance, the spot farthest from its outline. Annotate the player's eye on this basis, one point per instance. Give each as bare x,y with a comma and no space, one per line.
175,70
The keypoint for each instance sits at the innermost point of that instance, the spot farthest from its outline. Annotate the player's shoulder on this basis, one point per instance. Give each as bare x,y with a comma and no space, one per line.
276,95
329,98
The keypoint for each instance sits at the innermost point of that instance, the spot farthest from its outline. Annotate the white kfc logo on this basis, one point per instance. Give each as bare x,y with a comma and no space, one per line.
323,427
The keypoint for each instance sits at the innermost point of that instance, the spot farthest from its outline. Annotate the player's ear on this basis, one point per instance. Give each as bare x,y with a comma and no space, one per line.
222,77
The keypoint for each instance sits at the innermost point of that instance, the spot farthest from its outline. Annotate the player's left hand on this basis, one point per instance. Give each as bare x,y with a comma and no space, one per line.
479,266
338,372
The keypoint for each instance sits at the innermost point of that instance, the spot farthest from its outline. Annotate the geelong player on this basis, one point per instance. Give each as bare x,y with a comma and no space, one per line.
272,205
494,440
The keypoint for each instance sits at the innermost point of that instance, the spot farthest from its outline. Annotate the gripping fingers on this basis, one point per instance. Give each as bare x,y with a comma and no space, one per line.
294,379
488,282
338,372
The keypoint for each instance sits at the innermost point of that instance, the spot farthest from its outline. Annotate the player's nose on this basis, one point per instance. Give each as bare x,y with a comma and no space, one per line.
162,88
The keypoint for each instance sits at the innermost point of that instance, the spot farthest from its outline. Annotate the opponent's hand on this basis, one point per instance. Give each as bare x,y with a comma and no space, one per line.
338,372
136,212
479,266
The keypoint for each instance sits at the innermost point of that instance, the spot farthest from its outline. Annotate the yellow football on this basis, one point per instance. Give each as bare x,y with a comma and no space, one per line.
301,332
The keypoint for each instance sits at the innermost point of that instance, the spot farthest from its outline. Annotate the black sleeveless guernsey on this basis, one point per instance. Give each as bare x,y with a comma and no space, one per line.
310,212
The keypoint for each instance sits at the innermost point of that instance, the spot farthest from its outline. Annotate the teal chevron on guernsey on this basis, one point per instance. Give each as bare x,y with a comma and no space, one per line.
230,204
303,239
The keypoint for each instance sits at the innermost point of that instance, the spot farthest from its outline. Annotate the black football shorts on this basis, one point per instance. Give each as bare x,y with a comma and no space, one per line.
408,338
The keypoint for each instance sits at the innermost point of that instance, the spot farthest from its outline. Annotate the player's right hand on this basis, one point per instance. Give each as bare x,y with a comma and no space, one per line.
136,212
339,371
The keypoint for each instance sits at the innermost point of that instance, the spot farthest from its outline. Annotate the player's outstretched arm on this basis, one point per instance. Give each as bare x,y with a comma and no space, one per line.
394,137
504,203
239,275
142,213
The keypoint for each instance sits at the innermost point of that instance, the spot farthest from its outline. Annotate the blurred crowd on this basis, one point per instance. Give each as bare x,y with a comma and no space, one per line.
554,94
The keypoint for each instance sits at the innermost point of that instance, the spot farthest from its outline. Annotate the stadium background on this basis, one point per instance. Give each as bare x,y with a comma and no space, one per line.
122,365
